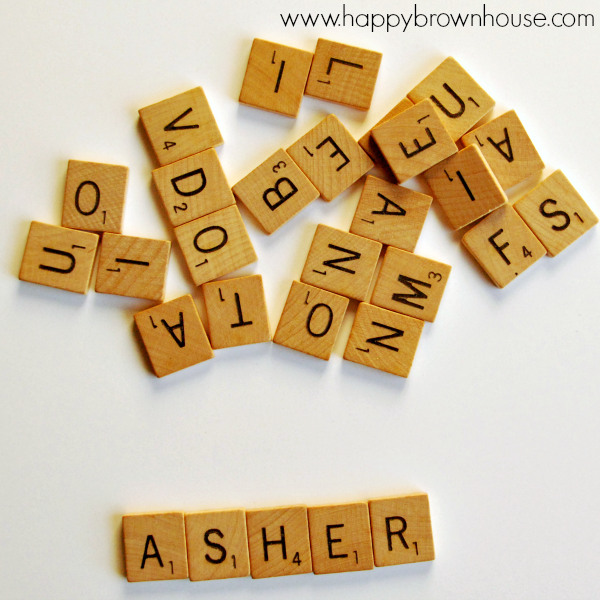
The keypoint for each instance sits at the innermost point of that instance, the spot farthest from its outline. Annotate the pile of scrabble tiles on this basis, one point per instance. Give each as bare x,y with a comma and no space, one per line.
273,542
418,136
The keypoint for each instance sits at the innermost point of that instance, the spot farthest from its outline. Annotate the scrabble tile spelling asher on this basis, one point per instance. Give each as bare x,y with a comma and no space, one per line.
237,312
278,541
133,266
275,77
155,546
340,538
58,257
341,262
193,187
465,187
503,245
401,530
94,196
173,335
414,141
343,74
507,148
459,100
410,284
275,191
217,544
384,340
215,245
330,158
311,320
180,126
556,213
390,214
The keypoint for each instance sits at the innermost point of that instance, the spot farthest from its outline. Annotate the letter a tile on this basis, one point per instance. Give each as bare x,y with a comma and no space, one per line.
278,541
155,546
330,157
503,245
311,320
414,141
401,529
173,335
59,257
384,340
275,191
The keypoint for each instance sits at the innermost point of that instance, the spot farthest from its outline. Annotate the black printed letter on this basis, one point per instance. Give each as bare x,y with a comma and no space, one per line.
215,561
179,178
556,213
492,241
391,533
331,541
267,543
275,190
150,540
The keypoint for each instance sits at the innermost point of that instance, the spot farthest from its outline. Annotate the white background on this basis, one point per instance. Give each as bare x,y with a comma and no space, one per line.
498,421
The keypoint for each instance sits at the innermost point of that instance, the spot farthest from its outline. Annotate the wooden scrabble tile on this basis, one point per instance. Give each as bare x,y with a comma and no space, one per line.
155,546
278,541
275,191
311,320
133,266
343,74
275,77
180,126
58,257
383,340
460,101
340,538
173,335
341,262
414,141
367,143
556,213
465,187
94,196
330,158
390,214
215,245
217,544
193,187
401,530
508,149
503,245
237,312
410,284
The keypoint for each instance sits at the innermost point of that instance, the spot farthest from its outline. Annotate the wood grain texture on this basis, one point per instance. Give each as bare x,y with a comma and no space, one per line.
155,546
507,148
275,77
330,157
410,284
275,191
217,544
465,187
340,538
215,245
311,320
383,340
173,335
556,213
180,126
193,187
133,266
341,262
503,245
401,530
278,541
414,141
390,214
59,257
237,312
343,74
459,100
94,196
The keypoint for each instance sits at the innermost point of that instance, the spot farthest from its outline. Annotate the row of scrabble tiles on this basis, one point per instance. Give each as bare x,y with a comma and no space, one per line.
274,542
